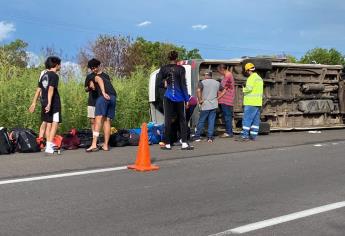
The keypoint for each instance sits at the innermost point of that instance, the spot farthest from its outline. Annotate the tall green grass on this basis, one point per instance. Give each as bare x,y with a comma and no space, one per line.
17,87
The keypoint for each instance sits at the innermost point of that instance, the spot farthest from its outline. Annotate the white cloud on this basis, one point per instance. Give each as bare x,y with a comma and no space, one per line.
33,59
70,70
6,29
144,23
199,27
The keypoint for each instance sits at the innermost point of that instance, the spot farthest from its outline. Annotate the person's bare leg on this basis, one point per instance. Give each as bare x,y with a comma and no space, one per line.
98,124
47,131
106,130
42,129
53,130
52,127
92,123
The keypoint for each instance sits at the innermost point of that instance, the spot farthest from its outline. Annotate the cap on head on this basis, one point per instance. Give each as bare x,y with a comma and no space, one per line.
249,66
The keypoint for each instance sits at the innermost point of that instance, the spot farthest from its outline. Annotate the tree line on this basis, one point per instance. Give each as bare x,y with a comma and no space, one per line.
121,55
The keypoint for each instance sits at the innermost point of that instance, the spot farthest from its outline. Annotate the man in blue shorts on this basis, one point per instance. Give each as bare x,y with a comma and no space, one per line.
105,105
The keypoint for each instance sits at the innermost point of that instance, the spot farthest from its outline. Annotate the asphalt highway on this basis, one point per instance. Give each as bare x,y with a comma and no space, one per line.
268,188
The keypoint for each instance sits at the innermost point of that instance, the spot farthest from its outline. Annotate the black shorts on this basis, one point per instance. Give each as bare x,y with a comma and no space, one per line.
51,116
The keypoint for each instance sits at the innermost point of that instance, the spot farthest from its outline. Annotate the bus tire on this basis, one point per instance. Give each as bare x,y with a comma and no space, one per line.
264,128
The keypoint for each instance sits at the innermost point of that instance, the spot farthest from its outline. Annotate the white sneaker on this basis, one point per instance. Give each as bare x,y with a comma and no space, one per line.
49,150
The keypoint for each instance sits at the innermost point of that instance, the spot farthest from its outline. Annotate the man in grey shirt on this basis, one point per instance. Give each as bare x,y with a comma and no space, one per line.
208,99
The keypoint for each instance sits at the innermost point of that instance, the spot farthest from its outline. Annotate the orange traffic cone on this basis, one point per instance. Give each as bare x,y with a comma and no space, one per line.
143,162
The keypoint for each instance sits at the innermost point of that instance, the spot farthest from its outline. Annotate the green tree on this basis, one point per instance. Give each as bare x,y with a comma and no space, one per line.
122,55
154,54
323,56
192,54
14,53
291,59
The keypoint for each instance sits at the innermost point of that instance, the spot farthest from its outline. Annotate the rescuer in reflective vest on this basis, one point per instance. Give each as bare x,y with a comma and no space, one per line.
252,101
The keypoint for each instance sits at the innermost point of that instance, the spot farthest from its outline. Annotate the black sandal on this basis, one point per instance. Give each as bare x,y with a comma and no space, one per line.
106,150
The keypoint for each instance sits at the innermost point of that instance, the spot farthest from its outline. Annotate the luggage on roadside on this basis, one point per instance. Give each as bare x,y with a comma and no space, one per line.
135,131
70,140
120,138
58,141
113,130
41,142
155,133
134,139
25,140
6,145
85,136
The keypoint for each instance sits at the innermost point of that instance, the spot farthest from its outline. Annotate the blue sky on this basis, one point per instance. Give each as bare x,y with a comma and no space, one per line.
219,28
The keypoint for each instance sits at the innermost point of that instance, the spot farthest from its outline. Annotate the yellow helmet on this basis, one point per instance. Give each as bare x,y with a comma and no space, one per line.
249,66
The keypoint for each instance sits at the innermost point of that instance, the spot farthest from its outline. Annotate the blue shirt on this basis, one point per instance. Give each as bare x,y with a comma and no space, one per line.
175,76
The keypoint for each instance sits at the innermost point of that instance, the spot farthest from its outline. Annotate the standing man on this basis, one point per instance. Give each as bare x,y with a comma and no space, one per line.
50,100
173,78
32,107
226,99
93,95
105,105
252,101
208,100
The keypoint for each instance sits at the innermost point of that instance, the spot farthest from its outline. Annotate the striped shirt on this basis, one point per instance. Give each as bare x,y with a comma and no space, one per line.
228,84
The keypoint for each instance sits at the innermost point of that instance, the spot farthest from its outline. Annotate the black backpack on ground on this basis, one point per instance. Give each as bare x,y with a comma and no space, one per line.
134,139
85,136
25,140
6,145
120,138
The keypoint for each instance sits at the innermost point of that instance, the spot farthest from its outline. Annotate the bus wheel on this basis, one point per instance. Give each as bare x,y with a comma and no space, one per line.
264,128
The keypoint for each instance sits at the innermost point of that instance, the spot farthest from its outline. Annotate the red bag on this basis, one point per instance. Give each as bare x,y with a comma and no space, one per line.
71,140
41,142
58,141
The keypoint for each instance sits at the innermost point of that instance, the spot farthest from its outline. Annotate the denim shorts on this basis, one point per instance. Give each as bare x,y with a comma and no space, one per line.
105,107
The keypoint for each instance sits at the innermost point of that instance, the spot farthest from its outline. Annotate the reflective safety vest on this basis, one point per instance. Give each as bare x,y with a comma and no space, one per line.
253,92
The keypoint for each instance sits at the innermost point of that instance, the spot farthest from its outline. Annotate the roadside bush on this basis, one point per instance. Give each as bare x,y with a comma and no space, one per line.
17,87
132,106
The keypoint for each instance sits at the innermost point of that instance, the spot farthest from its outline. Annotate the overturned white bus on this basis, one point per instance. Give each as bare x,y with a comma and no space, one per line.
296,96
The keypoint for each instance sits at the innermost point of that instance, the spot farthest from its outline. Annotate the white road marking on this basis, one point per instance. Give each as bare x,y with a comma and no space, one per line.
318,145
314,132
55,176
281,219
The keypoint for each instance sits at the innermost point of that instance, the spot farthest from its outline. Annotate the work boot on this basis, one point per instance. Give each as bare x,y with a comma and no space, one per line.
242,139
